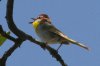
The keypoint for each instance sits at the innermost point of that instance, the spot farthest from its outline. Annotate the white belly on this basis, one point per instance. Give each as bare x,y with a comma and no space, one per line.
45,36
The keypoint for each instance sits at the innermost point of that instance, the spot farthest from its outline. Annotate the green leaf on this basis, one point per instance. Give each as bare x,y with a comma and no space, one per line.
3,39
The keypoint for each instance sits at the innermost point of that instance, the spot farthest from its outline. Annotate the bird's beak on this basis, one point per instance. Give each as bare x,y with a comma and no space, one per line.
30,22
33,21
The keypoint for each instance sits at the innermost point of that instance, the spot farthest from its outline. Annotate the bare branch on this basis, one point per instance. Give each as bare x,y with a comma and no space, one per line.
3,60
10,21
52,51
22,37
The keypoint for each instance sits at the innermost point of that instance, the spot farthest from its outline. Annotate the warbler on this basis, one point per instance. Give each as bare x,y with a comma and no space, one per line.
49,34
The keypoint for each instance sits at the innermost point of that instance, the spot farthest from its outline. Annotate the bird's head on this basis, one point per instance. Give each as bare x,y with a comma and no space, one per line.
41,18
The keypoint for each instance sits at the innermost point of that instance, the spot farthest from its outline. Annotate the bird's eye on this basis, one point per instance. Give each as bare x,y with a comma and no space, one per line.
40,17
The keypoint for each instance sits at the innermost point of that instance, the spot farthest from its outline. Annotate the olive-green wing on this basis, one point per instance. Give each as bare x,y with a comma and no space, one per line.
53,29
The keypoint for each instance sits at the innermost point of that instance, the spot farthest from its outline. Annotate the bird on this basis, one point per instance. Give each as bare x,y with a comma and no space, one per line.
49,34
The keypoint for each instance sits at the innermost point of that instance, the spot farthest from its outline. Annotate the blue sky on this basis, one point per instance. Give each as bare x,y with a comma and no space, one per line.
78,19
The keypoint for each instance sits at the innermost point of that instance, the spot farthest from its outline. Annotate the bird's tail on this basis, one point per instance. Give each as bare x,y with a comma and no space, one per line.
77,43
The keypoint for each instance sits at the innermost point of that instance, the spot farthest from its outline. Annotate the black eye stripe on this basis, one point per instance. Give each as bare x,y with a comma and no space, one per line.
40,17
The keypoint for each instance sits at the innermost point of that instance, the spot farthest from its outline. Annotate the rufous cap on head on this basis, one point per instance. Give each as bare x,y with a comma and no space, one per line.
44,15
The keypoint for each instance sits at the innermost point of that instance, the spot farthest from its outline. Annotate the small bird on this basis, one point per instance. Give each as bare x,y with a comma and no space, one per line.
49,34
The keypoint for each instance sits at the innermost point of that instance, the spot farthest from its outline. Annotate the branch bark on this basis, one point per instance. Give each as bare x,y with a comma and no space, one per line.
21,38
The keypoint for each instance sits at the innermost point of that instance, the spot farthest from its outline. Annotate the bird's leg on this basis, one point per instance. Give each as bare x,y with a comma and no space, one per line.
59,46
53,40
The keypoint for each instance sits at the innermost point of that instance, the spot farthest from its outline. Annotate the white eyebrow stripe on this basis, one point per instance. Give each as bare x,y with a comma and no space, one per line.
38,20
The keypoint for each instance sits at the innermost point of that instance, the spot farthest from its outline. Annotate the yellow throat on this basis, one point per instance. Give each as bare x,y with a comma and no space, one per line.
36,23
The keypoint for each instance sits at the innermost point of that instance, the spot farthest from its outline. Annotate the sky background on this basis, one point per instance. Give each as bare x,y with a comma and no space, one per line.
78,19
